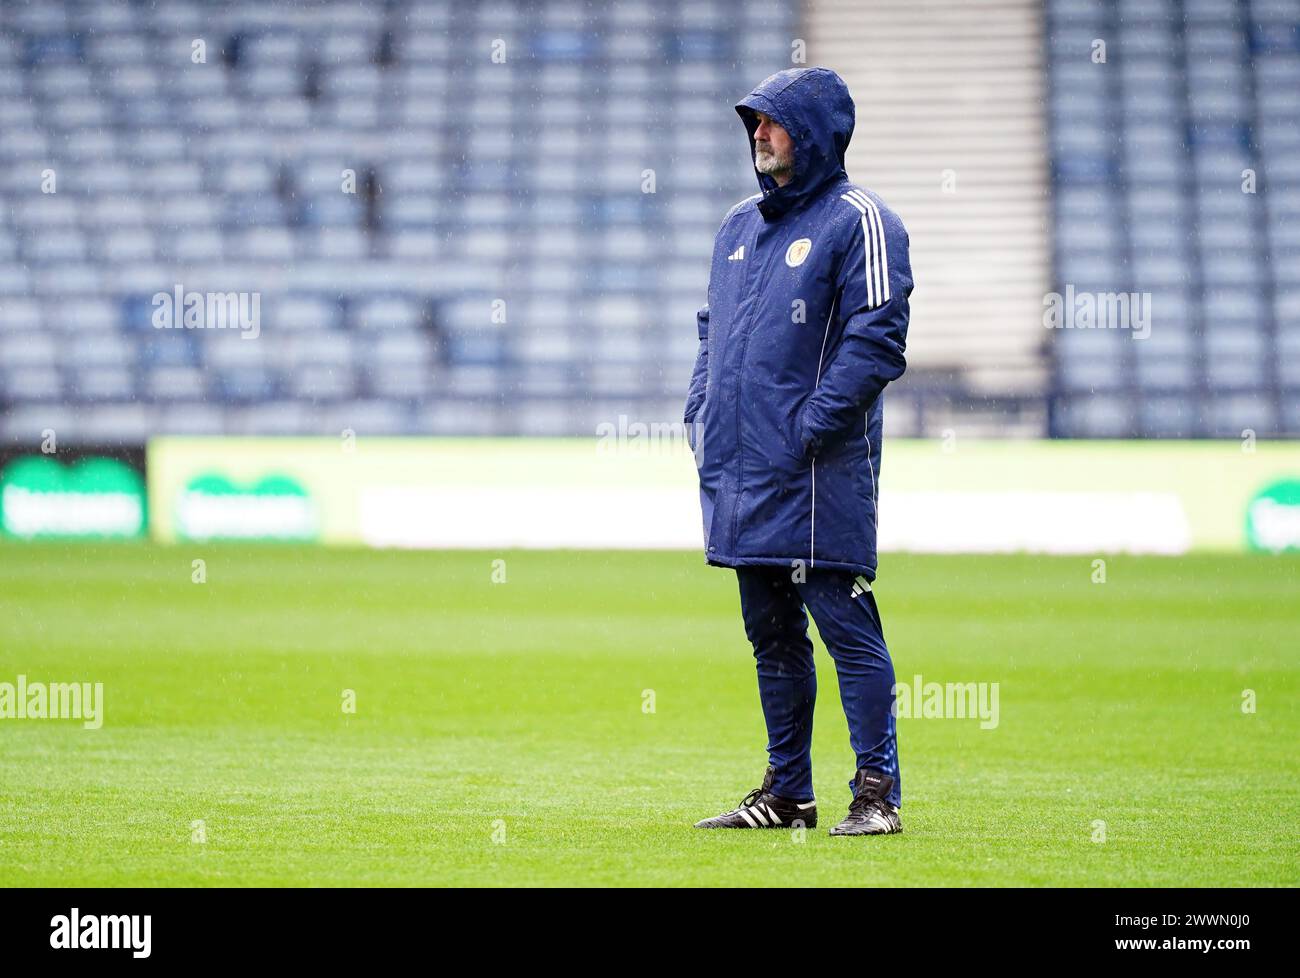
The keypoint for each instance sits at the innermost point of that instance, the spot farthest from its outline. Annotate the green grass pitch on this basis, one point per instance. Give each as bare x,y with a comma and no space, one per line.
499,735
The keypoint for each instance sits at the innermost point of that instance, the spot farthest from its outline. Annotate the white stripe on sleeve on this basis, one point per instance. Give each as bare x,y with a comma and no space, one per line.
882,264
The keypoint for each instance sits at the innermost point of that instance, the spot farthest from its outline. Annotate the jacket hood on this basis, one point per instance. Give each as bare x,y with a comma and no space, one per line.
815,108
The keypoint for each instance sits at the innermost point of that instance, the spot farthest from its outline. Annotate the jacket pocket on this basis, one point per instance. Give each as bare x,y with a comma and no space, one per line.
797,443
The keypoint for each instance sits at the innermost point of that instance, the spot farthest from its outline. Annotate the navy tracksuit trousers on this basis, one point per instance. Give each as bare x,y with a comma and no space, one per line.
847,618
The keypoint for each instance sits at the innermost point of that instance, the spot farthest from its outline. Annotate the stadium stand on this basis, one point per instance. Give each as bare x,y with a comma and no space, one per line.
1176,169
951,132
500,268
443,208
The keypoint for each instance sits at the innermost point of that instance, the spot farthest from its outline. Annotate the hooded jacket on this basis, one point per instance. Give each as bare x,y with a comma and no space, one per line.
805,324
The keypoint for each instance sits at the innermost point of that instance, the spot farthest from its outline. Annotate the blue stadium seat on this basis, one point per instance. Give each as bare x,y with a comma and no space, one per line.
1205,92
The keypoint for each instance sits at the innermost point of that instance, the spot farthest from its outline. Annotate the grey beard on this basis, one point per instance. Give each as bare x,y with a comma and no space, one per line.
772,165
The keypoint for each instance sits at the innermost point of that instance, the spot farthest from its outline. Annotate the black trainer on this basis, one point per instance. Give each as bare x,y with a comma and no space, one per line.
760,809
869,813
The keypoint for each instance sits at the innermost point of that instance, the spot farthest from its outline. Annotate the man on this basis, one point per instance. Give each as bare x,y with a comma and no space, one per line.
805,324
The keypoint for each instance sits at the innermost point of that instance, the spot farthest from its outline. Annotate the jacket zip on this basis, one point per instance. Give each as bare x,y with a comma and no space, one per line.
812,534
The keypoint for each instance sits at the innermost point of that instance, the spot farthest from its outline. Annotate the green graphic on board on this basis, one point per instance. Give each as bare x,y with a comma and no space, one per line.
276,507
41,498
1273,517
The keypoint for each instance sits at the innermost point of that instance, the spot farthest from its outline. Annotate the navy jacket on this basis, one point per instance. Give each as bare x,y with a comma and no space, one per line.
806,323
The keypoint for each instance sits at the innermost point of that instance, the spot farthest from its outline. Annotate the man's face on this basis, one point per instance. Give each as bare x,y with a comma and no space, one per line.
773,149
